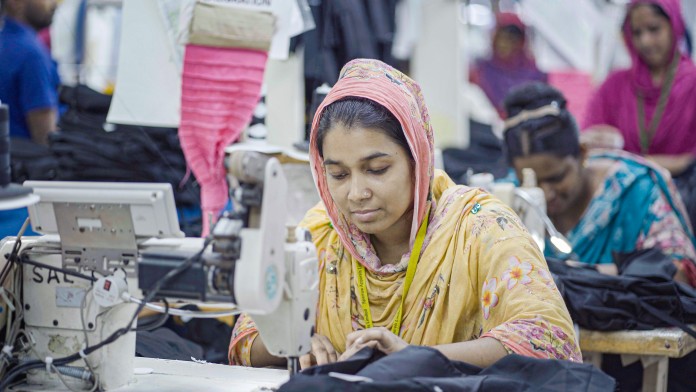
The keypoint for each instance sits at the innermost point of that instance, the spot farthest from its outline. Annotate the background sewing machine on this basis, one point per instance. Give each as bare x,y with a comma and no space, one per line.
529,203
105,245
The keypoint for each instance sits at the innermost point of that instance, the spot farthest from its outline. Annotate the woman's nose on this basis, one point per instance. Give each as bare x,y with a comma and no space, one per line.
358,190
644,40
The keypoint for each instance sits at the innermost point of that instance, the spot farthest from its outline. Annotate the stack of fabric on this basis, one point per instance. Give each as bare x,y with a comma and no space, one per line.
84,151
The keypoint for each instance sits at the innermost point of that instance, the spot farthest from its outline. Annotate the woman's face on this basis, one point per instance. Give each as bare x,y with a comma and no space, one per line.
560,178
651,34
370,178
507,44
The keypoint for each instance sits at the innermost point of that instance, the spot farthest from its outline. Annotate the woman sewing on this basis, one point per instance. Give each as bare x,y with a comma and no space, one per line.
652,103
606,202
405,255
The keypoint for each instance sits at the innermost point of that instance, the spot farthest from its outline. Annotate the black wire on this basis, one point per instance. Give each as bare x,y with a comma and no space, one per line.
157,323
10,261
26,260
34,364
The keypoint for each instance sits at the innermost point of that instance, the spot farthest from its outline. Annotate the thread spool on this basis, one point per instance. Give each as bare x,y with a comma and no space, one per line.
7,189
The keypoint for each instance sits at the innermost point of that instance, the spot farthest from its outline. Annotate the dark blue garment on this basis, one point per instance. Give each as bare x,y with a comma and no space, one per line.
28,77
419,368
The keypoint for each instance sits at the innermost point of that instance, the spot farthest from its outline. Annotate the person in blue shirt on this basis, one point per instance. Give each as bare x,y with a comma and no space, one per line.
28,77
28,82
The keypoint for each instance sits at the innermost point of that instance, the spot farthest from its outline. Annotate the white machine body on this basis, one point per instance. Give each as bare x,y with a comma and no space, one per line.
275,281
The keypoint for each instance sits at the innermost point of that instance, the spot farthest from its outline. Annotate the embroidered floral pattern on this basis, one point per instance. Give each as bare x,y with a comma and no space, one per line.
545,276
430,300
489,299
518,272
545,339
636,208
243,336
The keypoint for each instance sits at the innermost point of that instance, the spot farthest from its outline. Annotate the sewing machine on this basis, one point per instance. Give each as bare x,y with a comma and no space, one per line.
529,204
108,245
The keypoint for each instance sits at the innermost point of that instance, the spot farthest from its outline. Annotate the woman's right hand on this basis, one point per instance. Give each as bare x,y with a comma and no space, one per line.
322,352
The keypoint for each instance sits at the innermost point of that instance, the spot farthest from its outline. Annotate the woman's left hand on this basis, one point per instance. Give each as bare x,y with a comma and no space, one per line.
379,337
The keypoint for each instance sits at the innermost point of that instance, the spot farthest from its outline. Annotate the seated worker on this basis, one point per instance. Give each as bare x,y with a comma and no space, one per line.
510,64
606,201
651,104
28,77
440,265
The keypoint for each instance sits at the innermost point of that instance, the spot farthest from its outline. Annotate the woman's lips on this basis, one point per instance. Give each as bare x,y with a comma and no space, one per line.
365,215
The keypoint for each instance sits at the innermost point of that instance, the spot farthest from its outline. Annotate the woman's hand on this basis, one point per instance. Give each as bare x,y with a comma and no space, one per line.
322,352
380,338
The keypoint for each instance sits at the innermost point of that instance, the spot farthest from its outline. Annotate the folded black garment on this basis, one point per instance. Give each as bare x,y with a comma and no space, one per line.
31,161
163,343
419,368
647,299
84,99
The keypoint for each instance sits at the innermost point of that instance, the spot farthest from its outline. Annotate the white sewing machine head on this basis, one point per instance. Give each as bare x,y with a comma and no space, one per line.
128,235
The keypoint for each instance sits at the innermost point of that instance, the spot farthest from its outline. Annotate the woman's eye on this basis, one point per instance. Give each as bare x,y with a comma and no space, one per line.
338,176
379,171
556,179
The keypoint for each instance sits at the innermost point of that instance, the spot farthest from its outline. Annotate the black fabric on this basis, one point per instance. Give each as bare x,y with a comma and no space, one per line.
31,161
165,344
484,154
84,99
610,303
646,263
419,368
345,30
212,335
89,149
686,184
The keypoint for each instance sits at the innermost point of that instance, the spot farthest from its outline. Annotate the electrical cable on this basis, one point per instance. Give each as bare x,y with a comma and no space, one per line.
65,383
187,313
84,330
11,259
13,327
60,376
157,323
25,367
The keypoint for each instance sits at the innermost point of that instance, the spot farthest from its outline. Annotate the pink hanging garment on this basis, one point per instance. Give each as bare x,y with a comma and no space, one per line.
220,89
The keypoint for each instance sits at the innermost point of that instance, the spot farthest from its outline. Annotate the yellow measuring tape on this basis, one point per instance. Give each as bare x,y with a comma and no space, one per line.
410,273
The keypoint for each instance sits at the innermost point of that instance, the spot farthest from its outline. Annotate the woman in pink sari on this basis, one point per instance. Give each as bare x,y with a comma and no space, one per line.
652,103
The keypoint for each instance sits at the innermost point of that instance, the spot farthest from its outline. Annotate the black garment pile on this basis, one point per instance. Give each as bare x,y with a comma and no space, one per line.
643,296
89,149
418,368
205,339
345,30
484,154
